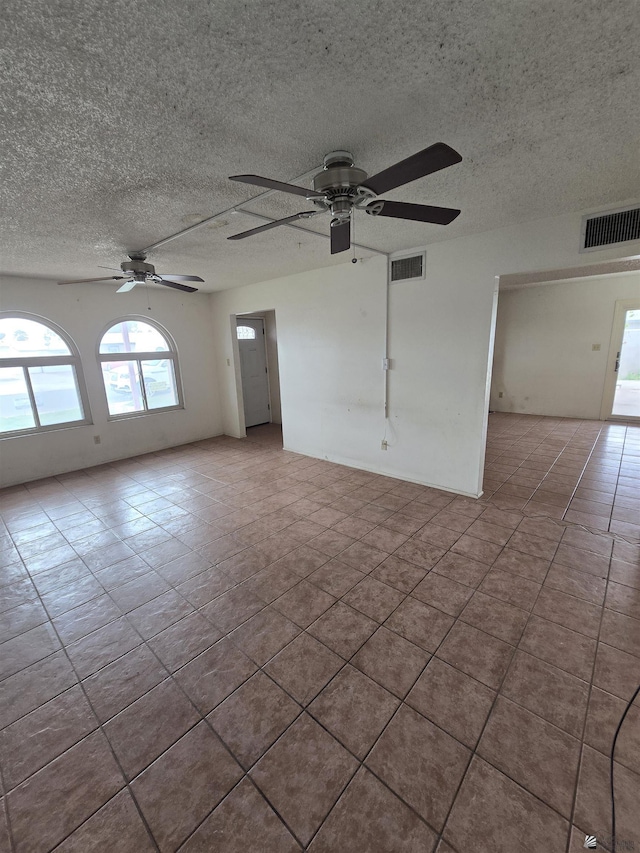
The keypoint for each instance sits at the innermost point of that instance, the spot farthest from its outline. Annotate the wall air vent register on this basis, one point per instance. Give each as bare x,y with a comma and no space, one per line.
408,267
610,229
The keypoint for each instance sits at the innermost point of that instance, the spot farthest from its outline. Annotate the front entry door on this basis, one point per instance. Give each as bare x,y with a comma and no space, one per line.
622,394
253,367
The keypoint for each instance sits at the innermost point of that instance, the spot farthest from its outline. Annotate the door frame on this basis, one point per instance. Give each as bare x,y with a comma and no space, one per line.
256,318
615,347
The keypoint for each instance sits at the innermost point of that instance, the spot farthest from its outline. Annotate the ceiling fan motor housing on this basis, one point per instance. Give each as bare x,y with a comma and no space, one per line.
136,266
341,184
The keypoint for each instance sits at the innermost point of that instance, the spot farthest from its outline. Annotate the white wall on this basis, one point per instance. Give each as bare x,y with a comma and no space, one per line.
331,342
84,311
330,346
330,390
544,363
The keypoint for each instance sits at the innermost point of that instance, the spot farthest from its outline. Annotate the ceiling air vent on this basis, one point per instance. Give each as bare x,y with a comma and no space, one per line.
609,229
407,267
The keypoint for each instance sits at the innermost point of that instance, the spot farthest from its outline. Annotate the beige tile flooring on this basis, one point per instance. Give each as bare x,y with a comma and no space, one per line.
229,647
582,471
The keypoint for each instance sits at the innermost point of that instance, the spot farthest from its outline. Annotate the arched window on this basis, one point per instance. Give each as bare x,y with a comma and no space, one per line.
139,368
246,333
41,384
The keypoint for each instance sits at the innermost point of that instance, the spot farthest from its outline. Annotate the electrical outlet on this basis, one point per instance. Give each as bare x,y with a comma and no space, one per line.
500,394
595,347
384,444
96,439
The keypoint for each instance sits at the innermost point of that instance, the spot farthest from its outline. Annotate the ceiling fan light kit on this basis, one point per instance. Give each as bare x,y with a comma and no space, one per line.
341,188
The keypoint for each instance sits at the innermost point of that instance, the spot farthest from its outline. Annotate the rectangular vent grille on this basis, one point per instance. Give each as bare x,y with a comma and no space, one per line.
612,228
404,268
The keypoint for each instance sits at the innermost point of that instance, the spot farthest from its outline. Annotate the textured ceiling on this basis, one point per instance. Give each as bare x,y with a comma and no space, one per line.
122,121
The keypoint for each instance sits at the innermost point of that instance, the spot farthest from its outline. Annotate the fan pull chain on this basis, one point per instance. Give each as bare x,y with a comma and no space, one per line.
353,234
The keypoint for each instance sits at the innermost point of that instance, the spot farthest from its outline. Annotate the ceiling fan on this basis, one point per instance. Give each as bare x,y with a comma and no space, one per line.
137,271
341,188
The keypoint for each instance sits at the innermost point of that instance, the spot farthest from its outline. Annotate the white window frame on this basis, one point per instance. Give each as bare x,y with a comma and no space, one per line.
25,362
164,355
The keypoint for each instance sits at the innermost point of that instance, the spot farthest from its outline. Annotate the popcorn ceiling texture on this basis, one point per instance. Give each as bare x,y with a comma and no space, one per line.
120,120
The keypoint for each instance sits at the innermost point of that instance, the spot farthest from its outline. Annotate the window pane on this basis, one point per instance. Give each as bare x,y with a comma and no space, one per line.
246,333
15,405
122,384
56,392
133,336
20,338
160,383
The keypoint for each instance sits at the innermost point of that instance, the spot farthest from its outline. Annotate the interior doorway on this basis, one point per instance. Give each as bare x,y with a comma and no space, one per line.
622,391
254,371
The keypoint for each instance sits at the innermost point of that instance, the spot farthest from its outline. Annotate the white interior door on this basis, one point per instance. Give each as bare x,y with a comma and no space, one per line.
253,367
622,388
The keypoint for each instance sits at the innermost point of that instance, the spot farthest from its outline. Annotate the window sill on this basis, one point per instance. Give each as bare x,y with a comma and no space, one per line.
24,433
127,416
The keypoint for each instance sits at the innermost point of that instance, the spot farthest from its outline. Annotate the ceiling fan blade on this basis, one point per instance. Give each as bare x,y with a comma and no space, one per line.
177,286
85,280
127,286
425,162
417,212
273,185
340,237
306,214
183,277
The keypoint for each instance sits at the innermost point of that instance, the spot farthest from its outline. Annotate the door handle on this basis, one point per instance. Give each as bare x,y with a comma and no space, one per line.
617,363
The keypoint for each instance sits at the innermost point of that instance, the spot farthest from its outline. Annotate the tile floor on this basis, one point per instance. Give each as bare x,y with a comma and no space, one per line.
229,647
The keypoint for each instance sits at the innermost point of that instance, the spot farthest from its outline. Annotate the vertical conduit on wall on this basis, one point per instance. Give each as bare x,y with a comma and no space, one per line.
387,362
403,267
386,346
